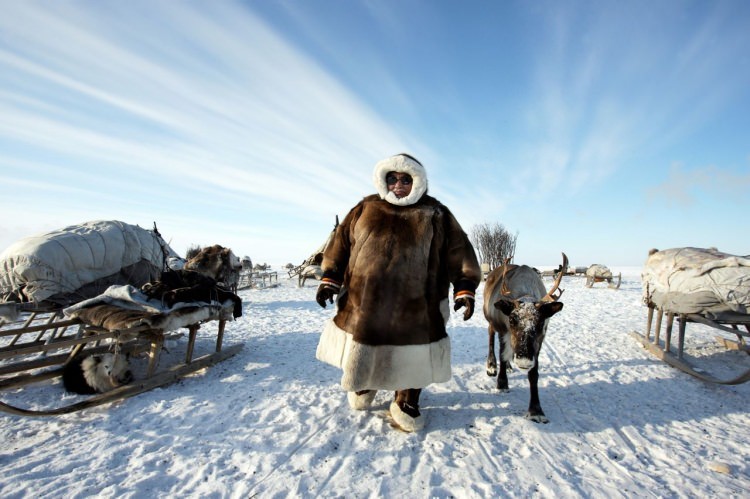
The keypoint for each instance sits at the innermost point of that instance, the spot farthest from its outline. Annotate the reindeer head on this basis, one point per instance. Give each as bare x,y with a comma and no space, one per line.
527,321
215,261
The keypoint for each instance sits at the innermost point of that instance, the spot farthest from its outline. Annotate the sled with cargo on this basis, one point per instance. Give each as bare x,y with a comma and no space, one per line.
593,273
78,293
710,291
601,273
255,277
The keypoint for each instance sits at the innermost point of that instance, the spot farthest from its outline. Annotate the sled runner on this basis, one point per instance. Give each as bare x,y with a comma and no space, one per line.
52,312
697,286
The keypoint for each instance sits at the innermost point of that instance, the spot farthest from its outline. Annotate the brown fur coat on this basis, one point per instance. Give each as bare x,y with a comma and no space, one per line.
396,265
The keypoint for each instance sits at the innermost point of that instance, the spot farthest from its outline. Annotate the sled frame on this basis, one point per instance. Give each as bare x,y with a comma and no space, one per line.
43,341
258,279
663,349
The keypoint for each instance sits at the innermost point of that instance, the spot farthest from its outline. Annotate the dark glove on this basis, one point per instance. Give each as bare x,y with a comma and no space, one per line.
325,293
465,301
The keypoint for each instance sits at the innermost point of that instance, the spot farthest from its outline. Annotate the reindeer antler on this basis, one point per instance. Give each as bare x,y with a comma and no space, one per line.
504,288
550,296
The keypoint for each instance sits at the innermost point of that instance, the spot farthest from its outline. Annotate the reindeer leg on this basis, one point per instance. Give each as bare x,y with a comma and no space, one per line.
535,413
502,374
491,360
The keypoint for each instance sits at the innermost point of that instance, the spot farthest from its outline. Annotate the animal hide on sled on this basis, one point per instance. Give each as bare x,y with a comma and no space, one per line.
186,286
180,298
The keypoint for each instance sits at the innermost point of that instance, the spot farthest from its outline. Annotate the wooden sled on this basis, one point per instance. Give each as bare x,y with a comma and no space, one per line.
590,281
37,346
258,279
311,267
663,348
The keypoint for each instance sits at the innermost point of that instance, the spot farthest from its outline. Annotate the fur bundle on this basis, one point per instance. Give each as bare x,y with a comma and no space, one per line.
89,374
188,286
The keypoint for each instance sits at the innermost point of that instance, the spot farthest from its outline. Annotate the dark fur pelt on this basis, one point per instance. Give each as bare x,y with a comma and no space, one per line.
187,286
73,379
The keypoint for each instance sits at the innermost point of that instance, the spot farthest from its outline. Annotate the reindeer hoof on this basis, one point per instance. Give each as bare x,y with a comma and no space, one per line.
492,371
537,418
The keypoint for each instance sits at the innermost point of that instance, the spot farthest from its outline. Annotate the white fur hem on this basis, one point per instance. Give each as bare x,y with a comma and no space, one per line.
445,309
404,421
384,367
401,164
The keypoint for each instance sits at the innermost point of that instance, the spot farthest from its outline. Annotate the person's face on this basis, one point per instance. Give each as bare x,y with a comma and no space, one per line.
399,183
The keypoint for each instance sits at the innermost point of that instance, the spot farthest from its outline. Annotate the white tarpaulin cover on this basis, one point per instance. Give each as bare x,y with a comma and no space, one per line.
598,270
80,261
697,280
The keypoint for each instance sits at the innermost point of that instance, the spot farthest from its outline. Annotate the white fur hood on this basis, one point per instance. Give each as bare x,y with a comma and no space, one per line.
403,164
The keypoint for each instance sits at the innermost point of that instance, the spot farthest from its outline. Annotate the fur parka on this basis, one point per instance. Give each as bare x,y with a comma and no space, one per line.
395,263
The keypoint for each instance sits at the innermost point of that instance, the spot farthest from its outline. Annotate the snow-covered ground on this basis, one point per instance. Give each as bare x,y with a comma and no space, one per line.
272,421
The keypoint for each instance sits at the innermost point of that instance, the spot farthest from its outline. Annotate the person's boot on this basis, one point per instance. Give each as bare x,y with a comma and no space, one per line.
361,400
405,410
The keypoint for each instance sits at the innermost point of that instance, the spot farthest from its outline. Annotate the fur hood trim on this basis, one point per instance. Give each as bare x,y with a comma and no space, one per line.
403,164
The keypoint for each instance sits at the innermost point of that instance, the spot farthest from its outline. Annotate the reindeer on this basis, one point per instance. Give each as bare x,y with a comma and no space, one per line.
218,263
517,307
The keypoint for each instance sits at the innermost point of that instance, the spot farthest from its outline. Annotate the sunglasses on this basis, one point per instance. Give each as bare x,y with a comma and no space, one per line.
393,180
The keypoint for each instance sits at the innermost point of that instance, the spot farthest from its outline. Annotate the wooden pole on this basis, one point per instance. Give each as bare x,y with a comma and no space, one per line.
668,331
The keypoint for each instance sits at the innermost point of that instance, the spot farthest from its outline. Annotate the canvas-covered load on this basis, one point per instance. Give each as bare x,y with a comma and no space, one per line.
698,281
80,261
599,271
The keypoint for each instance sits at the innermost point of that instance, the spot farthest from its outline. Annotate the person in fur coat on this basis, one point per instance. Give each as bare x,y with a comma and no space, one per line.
391,263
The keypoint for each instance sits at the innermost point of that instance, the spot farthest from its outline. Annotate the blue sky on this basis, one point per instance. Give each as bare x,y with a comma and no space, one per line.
598,128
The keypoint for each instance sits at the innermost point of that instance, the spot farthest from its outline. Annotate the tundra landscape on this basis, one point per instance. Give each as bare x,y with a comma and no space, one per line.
272,421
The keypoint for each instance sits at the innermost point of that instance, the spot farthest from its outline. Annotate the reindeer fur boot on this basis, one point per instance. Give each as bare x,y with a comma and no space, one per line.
407,418
405,410
360,401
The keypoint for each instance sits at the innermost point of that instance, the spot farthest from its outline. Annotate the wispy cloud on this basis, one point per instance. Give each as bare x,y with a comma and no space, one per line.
253,124
202,101
683,187
612,82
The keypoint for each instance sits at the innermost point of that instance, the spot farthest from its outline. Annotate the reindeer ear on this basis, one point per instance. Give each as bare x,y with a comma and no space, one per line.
505,306
549,309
